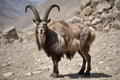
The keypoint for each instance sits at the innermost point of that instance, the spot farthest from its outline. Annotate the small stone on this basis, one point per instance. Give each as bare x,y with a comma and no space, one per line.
107,68
36,72
29,74
7,64
95,21
97,69
66,78
38,60
101,62
8,74
110,59
85,2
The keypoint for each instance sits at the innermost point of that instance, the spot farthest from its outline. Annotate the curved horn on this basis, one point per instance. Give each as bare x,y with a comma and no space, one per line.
37,17
48,11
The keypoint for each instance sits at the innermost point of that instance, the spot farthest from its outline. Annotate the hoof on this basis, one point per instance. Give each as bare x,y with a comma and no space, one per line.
87,74
81,72
54,75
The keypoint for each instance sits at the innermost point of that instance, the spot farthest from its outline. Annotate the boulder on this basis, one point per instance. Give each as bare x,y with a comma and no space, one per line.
102,6
86,11
10,34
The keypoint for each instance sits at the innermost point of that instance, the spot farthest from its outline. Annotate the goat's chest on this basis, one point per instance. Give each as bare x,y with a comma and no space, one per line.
54,44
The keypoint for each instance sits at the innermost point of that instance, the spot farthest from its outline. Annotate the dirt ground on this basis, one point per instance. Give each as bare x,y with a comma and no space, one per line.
22,61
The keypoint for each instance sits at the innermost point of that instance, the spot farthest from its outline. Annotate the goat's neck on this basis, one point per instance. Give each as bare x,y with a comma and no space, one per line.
51,38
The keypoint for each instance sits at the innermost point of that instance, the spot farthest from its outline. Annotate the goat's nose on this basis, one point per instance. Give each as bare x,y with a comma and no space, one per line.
41,31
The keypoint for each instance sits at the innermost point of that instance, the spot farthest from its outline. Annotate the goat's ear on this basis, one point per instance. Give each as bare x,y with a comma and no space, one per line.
48,20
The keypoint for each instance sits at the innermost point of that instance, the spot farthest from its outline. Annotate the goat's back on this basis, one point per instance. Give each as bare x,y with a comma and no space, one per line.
75,35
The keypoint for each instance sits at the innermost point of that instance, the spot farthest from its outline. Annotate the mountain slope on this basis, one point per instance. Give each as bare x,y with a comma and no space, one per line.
11,10
67,9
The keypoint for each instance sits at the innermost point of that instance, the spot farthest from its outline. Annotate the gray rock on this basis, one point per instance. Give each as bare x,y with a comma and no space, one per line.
10,34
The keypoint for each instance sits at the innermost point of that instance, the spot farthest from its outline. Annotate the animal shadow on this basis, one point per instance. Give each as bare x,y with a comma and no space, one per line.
93,75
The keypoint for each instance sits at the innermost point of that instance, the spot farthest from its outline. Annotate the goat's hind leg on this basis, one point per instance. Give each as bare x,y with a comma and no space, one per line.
88,59
81,72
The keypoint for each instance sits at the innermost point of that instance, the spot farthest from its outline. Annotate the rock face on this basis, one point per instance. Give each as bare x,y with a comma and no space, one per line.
105,14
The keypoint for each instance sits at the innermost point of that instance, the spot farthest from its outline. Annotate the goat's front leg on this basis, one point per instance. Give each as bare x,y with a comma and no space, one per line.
55,67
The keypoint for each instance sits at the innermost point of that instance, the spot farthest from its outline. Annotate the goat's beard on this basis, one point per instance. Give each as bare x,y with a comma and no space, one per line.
42,38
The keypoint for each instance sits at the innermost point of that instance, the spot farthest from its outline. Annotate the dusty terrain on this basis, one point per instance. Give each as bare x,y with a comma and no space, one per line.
22,61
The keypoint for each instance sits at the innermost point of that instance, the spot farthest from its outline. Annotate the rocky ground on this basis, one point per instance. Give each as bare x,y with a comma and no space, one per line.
22,61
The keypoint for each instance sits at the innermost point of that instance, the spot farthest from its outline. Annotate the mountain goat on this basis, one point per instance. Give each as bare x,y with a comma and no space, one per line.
60,38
